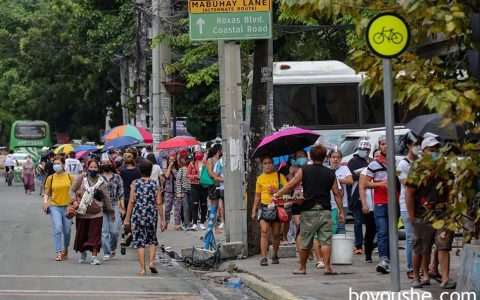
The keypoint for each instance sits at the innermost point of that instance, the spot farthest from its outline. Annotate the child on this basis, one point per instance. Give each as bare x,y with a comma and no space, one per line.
143,215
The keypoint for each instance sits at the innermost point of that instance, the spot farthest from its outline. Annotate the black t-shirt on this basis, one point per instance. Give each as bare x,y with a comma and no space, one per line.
49,167
317,182
128,176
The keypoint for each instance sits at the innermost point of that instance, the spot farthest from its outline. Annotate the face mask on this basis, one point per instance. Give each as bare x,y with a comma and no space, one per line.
416,150
198,156
301,161
93,173
107,168
362,153
57,168
435,155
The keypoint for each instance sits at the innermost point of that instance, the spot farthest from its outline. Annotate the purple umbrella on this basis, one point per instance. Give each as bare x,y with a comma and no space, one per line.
285,142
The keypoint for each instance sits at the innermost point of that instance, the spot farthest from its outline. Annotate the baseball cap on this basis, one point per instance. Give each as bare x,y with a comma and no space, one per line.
429,142
364,144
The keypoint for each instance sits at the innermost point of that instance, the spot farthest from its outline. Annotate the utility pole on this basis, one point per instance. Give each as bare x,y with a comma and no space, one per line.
140,67
232,133
165,58
156,80
123,89
131,86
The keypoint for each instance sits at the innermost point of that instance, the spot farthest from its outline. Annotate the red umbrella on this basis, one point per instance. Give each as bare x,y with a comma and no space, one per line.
178,142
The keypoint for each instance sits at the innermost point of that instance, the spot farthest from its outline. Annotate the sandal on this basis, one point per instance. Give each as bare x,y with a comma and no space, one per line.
142,273
299,272
59,256
64,254
153,269
320,265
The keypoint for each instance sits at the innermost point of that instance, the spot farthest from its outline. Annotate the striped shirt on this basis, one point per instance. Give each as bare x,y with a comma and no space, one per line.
182,184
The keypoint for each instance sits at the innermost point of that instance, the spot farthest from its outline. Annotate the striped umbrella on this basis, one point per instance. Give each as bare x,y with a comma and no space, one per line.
65,148
139,133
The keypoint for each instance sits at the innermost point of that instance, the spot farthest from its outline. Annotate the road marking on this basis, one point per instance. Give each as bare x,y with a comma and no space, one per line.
81,293
80,276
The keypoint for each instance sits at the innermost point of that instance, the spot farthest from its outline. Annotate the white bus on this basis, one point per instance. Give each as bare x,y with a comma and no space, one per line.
324,96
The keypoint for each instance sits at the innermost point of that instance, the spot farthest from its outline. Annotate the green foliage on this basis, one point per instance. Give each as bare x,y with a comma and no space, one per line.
432,82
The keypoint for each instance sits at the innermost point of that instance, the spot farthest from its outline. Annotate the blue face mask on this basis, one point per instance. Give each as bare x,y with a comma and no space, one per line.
93,173
301,161
57,168
362,153
435,155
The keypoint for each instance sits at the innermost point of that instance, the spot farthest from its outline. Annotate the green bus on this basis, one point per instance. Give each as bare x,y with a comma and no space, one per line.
30,137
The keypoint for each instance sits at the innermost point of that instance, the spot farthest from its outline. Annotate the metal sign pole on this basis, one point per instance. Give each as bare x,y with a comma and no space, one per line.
391,173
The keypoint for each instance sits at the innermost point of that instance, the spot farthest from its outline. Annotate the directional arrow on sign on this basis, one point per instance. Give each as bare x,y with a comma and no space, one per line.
200,23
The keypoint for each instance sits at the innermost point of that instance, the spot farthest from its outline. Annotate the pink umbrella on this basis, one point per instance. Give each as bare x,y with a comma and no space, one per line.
82,154
286,141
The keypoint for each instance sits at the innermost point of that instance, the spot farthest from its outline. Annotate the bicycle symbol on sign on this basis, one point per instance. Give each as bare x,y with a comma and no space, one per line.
390,35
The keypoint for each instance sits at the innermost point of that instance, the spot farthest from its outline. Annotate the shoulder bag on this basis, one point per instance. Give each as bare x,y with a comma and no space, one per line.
205,178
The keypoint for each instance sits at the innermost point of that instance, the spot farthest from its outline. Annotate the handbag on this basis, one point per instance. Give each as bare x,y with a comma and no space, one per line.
268,214
94,208
205,178
282,214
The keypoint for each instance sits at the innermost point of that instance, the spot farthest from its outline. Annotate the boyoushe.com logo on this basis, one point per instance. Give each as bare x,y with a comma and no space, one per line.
409,295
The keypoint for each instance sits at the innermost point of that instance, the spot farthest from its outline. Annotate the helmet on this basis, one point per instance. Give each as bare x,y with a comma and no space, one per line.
364,144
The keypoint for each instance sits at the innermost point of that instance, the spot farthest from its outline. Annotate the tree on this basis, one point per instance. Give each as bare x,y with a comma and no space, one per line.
437,82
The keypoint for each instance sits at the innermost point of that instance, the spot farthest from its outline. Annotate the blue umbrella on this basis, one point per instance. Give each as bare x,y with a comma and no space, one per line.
85,148
120,142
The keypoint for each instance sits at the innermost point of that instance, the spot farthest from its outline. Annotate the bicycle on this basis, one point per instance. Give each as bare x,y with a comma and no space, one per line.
390,35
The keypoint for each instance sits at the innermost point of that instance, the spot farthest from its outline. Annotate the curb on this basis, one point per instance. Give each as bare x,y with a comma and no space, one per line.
267,290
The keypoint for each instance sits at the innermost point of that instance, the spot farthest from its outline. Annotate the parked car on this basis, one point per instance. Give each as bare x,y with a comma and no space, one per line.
350,141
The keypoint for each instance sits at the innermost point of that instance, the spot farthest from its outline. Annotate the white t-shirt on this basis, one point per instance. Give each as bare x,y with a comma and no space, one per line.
9,160
156,172
342,172
368,193
403,168
73,166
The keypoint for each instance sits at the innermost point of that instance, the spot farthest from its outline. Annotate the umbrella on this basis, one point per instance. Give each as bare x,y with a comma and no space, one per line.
178,142
120,142
86,148
82,154
432,123
285,141
65,148
139,133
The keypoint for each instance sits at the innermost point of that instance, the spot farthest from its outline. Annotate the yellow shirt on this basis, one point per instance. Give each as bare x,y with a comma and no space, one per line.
266,180
59,190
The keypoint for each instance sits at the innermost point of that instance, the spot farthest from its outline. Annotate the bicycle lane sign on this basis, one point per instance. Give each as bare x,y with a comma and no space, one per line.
387,35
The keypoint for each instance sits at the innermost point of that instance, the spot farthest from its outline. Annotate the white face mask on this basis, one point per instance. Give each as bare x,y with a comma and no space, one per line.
416,150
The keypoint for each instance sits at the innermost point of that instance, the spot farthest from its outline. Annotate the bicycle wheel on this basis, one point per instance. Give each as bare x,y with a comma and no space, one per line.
397,38
378,38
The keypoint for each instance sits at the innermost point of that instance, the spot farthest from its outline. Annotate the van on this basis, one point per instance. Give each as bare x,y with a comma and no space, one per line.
349,143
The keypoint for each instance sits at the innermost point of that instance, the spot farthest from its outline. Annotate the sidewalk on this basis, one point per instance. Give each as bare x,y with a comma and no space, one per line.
360,276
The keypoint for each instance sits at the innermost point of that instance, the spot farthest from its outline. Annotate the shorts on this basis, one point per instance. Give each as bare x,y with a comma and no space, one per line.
315,221
296,209
424,236
213,193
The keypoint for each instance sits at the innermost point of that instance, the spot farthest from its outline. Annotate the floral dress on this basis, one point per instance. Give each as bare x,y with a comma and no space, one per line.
145,214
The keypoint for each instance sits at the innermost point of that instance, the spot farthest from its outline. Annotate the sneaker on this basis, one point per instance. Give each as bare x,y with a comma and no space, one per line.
202,227
221,225
95,261
83,258
275,260
194,227
416,284
107,257
264,262
410,274
383,267
368,258
358,251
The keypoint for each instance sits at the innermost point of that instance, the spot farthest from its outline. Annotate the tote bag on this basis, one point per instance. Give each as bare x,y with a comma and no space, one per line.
205,179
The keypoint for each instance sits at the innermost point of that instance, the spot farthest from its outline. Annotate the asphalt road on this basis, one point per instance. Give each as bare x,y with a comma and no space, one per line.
28,269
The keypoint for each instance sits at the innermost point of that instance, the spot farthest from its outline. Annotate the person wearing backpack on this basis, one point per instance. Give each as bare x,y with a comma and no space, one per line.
376,178
55,202
412,143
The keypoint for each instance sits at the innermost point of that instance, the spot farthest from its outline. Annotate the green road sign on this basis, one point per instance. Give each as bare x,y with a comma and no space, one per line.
230,26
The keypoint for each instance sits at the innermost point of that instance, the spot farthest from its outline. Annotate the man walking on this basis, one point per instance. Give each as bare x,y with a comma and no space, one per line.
376,179
356,165
315,218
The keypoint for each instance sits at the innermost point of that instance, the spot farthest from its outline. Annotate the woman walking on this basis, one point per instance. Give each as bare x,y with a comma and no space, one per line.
170,188
56,188
111,228
142,216
267,184
199,192
91,188
28,175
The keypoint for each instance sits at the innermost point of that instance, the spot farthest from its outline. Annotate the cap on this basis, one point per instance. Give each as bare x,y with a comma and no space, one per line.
429,142
45,149
364,144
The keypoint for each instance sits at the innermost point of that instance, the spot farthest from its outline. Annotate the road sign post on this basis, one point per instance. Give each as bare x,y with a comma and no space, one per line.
388,36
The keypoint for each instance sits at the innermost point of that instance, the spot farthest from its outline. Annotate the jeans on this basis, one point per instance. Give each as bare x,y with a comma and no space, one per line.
358,224
199,198
110,231
186,209
60,225
341,226
408,239
381,221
